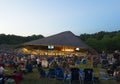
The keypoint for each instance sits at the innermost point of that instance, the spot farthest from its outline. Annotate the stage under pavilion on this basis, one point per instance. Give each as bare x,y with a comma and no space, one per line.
65,43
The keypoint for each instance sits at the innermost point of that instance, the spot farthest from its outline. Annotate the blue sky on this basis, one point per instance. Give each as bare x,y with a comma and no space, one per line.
48,17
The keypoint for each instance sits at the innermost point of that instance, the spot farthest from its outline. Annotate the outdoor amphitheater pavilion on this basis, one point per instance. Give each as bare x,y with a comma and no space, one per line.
64,43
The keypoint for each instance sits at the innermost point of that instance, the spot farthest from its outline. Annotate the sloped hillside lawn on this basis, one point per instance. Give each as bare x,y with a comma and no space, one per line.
34,78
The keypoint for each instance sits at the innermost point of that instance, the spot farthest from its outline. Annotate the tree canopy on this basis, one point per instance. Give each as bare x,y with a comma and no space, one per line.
103,40
14,39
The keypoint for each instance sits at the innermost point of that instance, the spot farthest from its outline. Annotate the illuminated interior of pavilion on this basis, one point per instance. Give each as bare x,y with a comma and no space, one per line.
54,50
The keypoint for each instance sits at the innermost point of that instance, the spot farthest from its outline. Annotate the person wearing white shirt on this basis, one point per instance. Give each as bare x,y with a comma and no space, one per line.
2,70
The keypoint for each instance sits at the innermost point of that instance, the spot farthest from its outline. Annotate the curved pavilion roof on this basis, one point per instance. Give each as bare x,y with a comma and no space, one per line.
66,38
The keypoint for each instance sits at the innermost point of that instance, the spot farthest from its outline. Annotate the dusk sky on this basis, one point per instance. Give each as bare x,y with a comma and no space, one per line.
48,17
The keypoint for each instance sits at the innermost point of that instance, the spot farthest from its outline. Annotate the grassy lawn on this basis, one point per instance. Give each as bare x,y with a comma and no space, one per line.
34,78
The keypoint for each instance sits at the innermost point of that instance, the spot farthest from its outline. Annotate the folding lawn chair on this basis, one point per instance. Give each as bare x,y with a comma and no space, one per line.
103,74
41,72
51,73
59,73
105,63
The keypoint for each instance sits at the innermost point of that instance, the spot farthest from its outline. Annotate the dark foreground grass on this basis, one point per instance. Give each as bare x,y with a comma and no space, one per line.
34,78
108,82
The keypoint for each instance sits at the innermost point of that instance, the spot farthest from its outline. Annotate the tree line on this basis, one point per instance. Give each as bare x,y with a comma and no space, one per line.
14,39
99,41
102,40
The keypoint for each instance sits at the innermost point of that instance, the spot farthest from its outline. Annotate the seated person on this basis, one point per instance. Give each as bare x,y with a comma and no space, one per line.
41,71
1,70
29,66
3,76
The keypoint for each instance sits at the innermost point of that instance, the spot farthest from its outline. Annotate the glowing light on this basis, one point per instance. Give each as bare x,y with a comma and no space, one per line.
68,50
50,47
25,49
77,49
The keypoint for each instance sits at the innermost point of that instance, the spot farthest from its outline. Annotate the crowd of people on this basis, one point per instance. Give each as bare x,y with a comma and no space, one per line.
26,62
111,63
